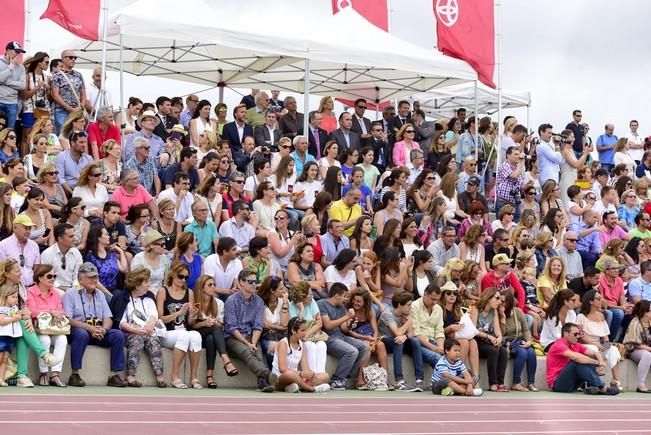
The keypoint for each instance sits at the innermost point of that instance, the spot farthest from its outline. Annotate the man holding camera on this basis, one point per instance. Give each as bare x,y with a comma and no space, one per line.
510,177
549,158
90,321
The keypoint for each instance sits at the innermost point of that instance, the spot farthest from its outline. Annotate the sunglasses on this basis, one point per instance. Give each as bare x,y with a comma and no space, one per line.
285,147
572,240
183,277
238,181
361,107
70,57
252,281
146,148
430,178
377,130
51,276
11,136
576,334
21,257
52,173
449,293
409,131
98,174
280,218
161,244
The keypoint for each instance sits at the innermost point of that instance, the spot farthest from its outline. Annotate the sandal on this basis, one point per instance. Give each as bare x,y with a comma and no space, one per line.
135,384
502,388
44,380
210,381
518,387
56,381
533,388
494,388
233,372
177,383
161,384
196,384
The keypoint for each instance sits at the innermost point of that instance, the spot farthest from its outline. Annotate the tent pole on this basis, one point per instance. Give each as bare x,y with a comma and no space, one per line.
499,79
28,28
122,111
101,95
476,128
221,86
306,96
528,114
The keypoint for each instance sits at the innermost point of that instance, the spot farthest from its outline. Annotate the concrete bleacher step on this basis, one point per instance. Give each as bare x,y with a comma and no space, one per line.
96,371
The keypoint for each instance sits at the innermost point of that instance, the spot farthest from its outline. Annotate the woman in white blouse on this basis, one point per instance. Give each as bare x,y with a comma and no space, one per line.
330,152
91,191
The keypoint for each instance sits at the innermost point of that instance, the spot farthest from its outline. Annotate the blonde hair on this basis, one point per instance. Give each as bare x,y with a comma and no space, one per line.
323,101
299,291
72,118
5,266
85,172
108,145
6,291
402,130
307,221
547,271
48,167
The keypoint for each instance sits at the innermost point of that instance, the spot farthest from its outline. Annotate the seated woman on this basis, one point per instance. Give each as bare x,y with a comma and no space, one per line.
516,331
136,227
544,250
108,259
364,325
262,171
273,293
290,362
421,193
595,332
477,216
559,312
551,281
470,282
42,297
153,258
389,211
265,206
504,219
311,230
302,267
370,279
260,261
209,322
34,207
73,213
389,238
555,223
361,241
166,225
302,304
409,236
486,317
348,160
342,270
177,310
329,159
91,190
139,325
46,181
452,304
283,241
472,246
186,252
638,342
421,276
394,276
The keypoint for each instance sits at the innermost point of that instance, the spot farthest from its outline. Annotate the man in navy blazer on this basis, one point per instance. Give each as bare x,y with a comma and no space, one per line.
344,137
234,132
361,124
267,135
316,135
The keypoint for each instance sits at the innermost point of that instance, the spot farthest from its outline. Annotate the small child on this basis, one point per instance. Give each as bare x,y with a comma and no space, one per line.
450,375
21,187
528,283
9,326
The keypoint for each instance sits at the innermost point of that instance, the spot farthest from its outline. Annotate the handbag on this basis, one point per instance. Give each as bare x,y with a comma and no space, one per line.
469,329
47,324
319,336
375,377
41,113
11,370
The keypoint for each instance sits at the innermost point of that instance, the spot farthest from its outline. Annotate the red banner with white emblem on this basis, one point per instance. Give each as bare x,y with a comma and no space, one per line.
79,18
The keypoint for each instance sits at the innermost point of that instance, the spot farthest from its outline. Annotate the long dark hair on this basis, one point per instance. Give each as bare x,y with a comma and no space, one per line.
306,168
442,167
331,182
33,193
587,300
419,181
557,302
390,260
94,235
200,105
66,210
631,249
357,231
549,219
293,326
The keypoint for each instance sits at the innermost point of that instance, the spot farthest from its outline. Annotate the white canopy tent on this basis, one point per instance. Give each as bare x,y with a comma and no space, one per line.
223,43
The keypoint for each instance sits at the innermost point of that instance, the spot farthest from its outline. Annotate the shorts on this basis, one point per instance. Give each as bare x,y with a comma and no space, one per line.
7,344
438,386
28,119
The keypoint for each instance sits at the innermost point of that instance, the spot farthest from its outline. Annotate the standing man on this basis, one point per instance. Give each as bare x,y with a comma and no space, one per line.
606,147
403,117
549,159
361,125
291,123
191,102
91,322
635,142
344,136
12,81
387,118
381,151
424,129
510,178
255,116
275,103
70,162
579,133
68,89
249,100
94,93
317,137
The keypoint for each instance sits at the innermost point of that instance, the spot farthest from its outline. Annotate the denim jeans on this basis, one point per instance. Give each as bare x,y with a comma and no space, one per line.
350,352
60,116
80,339
574,375
524,356
411,347
615,323
429,356
11,110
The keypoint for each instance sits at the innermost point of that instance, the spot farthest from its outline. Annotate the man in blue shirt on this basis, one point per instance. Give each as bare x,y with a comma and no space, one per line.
549,160
205,231
640,288
606,147
588,244
301,156
333,242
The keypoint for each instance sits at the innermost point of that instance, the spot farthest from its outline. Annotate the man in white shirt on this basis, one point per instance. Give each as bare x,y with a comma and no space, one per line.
608,200
570,256
635,142
238,227
224,266
443,249
180,195
415,165
94,92
63,257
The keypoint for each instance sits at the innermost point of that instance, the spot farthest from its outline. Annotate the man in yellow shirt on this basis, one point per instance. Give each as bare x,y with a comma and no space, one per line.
427,321
347,210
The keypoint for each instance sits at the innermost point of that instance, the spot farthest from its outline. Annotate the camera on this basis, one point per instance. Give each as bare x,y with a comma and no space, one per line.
40,104
535,141
515,193
93,321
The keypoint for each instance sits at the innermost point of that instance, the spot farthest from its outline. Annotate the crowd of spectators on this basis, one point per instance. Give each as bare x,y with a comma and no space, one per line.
170,225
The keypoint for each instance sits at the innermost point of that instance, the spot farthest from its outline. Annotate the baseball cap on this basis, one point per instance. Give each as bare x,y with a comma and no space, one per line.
501,259
474,180
15,46
25,220
88,269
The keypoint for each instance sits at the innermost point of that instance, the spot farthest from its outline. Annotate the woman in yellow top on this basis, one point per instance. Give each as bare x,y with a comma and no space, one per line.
551,281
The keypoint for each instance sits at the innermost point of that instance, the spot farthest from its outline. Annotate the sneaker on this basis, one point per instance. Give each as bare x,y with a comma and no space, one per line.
337,385
75,380
292,388
477,392
323,388
264,387
51,360
381,387
272,378
591,391
402,386
610,391
447,391
25,382
419,387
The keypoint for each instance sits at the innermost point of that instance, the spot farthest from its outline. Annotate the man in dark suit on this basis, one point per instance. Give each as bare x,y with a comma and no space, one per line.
164,110
403,117
234,132
291,123
317,137
424,129
361,125
267,135
344,137
381,148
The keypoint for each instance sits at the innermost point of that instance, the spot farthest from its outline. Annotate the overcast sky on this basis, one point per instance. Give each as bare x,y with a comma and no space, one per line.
586,54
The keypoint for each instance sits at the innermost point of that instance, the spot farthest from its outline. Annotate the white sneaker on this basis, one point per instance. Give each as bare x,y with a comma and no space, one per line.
320,389
51,360
477,392
24,382
292,388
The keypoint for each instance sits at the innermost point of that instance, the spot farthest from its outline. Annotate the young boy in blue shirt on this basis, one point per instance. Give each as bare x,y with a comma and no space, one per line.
450,375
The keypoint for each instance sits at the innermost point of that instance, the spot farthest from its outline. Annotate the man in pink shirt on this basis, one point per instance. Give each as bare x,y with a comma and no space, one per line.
611,229
131,193
571,365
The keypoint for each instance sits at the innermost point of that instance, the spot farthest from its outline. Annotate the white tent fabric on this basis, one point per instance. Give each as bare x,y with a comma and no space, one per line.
261,44
444,101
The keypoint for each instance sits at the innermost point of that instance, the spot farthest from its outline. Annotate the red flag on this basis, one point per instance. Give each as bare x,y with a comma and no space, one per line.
13,22
82,20
376,12
466,30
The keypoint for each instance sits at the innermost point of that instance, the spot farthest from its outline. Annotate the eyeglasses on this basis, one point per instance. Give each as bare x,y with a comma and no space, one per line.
223,110
252,281
51,276
146,148
571,240
531,193
183,277
52,173
361,107
81,207
271,188
285,147
70,57
11,136
161,244
471,164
